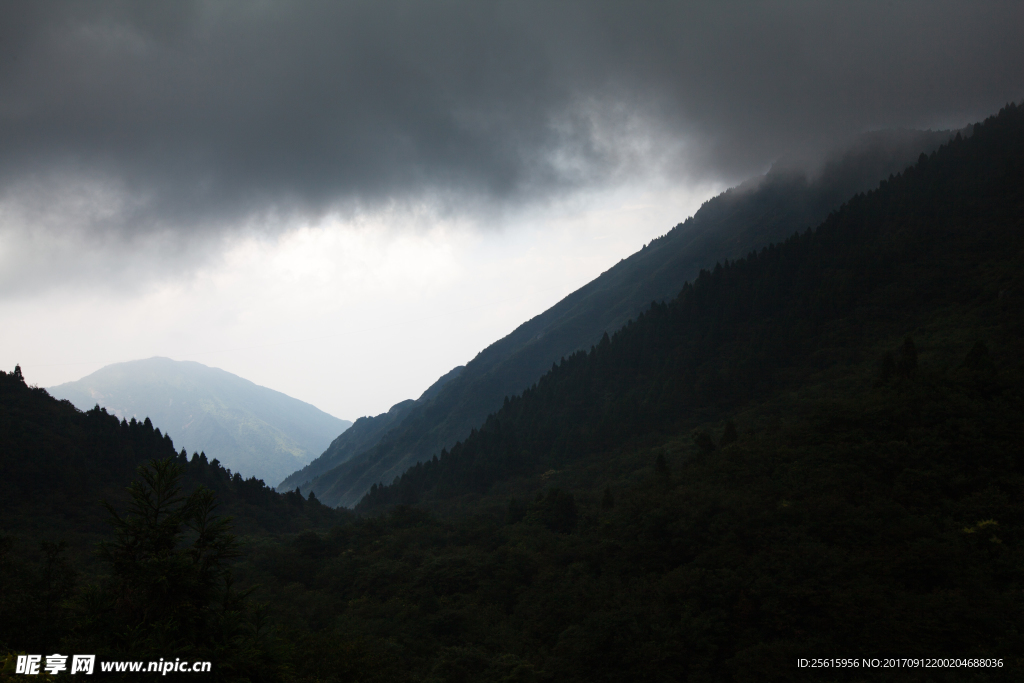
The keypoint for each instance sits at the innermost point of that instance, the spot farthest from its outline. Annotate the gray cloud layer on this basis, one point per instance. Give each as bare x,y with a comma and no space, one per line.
137,118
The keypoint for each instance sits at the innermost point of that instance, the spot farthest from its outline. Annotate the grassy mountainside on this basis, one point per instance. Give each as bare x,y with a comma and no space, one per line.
762,211
251,429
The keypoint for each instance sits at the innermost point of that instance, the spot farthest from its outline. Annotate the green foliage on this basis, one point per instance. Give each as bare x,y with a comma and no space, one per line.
516,511
33,594
555,510
852,514
766,323
170,591
846,509
889,518
703,441
769,209
57,462
886,368
729,434
907,364
163,591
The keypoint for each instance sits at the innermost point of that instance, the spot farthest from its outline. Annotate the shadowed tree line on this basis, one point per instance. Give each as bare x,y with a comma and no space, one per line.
813,451
947,232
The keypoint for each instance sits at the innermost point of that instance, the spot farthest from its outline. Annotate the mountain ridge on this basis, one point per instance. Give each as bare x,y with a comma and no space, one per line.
252,429
364,433
878,268
758,212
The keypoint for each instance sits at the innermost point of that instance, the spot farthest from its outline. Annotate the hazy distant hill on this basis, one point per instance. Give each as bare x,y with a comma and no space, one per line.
251,429
814,447
58,463
763,210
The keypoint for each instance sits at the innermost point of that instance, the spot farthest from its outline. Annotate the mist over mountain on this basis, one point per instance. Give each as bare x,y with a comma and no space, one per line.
932,254
251,429
794,195
727,298
813,447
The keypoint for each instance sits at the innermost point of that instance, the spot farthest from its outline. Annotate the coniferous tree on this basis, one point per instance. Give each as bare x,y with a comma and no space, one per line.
170,590
729,435
556,510
704,441
661,469
886,368
516,511
907,364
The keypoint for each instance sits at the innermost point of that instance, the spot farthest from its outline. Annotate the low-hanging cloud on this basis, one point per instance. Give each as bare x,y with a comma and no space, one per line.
185,120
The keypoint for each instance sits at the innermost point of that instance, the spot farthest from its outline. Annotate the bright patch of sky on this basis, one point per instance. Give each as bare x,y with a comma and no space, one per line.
240,184
349,315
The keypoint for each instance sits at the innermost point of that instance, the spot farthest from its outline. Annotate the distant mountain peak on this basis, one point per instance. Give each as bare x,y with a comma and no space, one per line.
251,429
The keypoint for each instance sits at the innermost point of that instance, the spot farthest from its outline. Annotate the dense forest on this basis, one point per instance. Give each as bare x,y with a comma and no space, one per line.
812,451
68,477
763,210
942,240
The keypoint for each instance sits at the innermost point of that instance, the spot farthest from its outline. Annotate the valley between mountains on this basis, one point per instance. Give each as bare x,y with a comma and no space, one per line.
790,427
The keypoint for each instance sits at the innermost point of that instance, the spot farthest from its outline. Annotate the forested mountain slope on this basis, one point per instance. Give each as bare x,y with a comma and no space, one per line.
58,462
941,241
813,450
749,217
254,430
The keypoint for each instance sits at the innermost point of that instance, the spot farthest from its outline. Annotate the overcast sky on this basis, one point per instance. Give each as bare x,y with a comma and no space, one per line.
342,201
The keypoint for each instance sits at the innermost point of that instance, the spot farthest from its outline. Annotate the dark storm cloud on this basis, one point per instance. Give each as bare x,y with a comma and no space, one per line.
187,116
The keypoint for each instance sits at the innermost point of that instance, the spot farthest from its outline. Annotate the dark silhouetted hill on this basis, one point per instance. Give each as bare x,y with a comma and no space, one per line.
935,252
762,211
58,462
812,448
815,447
363,434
